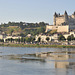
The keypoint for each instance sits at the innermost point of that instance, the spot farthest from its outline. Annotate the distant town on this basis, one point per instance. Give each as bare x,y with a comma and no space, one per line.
62,32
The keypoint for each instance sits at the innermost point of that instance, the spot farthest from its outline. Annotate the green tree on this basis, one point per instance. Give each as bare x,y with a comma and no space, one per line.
33,39
1,40
22,39
61,37
42,24
71,37
11,31
47,39
39,39
18,40
11,39
28,39
22,34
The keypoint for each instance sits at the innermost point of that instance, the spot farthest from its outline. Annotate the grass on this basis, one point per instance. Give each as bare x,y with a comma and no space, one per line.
37,45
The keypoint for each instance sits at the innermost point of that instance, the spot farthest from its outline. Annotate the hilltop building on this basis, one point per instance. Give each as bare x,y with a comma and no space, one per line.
62,23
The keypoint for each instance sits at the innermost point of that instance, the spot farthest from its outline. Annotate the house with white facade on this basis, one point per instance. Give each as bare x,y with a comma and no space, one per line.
43,37
71,33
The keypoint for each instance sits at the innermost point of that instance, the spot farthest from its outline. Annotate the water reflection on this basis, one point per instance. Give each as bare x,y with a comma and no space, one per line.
23,58
61,61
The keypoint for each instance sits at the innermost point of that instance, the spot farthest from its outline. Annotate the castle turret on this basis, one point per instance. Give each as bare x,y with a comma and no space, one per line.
66,17
59,14
55,15
74,13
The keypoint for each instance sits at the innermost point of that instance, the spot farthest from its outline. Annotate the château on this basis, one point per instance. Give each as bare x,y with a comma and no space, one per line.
62,23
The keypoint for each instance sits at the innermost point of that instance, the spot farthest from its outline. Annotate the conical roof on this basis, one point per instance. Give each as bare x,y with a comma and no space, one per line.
65,12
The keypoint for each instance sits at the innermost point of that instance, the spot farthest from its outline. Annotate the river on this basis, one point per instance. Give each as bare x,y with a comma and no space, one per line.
23,61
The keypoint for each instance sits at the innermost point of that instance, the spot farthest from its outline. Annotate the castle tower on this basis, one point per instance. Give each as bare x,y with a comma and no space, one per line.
54,21
65,17
74,14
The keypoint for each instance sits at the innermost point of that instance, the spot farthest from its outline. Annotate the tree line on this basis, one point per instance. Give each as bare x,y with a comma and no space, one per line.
24,25
69,38
32,39
19,40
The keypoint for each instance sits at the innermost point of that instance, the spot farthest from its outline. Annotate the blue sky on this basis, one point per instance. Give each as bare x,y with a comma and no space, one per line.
33,10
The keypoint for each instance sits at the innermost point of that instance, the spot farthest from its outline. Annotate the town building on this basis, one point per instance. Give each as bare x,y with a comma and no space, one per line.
43,37
4,37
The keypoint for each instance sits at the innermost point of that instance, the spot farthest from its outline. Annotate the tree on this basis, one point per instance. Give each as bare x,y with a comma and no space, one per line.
39,39
22,34
71,37
61,37
33,39
1,40
18,40
22,39
11,31
47,38
28,39
6,40
42,24
11,39
9,23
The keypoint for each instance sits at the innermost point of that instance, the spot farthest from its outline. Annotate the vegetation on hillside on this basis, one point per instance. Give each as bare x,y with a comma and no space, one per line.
51,32
23,28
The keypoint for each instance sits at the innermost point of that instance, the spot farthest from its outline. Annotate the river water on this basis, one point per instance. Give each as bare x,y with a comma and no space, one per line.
50,61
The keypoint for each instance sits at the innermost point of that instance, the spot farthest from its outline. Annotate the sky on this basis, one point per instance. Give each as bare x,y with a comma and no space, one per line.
33,11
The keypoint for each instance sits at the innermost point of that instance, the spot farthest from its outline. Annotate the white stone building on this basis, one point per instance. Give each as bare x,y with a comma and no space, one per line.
43,38
8,37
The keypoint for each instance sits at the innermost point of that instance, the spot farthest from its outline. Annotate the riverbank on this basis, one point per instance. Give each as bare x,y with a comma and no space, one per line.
37,45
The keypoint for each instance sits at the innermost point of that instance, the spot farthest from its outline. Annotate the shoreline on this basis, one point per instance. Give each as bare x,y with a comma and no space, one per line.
37,45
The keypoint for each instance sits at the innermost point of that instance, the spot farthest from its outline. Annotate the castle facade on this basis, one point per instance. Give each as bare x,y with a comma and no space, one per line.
62,23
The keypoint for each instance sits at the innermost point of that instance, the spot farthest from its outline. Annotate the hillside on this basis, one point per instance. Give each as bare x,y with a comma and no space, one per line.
22,28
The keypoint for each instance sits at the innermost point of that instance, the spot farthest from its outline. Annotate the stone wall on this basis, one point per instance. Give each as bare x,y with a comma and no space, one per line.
50,27
63,28
58,28
71,27
59,20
